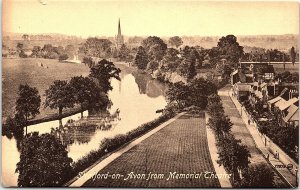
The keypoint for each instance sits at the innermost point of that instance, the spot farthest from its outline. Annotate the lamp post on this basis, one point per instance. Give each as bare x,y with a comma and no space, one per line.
296,170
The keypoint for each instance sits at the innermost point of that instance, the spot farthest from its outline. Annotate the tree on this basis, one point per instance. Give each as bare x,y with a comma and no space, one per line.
258,176
224,69
170,61
152,66
293,55
214,106
63,57
70,50
200,89
154,47
230,49
233,155
14,127
190,60
220,124
25,37
103,71
59,50
214,56
123,53
36,51
44,162
86,92
59,95
175,41
47,48
22,54
179,93
20,46
28,102
187,69
94,47
141,58
88,61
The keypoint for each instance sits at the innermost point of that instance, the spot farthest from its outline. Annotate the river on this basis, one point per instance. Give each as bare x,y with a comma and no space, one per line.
136,96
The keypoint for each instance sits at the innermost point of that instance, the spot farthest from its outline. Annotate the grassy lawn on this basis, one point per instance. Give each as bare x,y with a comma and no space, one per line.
180,147
21,71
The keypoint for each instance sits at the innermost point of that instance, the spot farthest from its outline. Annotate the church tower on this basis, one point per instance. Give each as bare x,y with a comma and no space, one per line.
119,37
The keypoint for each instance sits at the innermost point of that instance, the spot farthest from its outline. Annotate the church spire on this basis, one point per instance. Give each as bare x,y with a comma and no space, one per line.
119,37
119,28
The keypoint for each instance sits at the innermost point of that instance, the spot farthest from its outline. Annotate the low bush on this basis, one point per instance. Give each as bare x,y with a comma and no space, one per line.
111,144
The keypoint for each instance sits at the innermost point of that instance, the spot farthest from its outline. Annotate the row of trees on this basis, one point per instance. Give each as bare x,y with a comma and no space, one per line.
233,155
195,93
271,55
48,51
49,164
154,55
88,92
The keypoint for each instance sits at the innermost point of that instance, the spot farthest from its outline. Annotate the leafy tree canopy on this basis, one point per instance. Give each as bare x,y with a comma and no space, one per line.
28,101
259,176
230,49
170,61
154,47
44,162
141,59
104,71
94,47
175,41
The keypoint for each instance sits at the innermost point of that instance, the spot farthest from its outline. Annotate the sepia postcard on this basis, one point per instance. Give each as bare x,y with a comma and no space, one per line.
150,94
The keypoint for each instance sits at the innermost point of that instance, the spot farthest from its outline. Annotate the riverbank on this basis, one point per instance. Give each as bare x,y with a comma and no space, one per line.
46,115
71,111
53,117
110,145
29,71
81,141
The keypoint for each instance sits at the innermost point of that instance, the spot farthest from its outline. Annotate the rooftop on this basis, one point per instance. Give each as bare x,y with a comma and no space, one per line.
283,104
293,114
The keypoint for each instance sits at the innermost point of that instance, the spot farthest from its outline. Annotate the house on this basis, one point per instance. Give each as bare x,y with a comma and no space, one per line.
258,71
285,111
258,92
262,71
242,90
272,102
239,76
292,117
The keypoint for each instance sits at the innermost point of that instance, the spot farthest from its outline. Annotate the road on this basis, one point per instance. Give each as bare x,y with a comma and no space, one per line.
240,131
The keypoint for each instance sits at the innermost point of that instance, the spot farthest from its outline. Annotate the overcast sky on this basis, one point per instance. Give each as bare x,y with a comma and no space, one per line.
143,18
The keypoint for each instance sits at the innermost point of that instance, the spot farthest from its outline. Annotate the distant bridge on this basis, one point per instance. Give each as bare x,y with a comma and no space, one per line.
251,62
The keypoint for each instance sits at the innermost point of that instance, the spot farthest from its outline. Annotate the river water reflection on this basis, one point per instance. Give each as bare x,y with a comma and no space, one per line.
136,96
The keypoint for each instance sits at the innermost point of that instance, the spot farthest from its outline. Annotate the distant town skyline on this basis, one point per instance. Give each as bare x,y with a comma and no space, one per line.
144,18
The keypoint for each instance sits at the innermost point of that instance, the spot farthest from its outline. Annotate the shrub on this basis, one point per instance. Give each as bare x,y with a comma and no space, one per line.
112,144
258,176
44,162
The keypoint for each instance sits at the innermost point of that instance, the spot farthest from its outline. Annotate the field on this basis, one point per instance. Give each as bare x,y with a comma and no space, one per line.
30,71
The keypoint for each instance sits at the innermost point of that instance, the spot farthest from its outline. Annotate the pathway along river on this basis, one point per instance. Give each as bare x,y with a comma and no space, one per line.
137,97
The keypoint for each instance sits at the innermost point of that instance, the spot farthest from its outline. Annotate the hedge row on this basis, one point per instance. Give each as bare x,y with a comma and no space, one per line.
111,144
